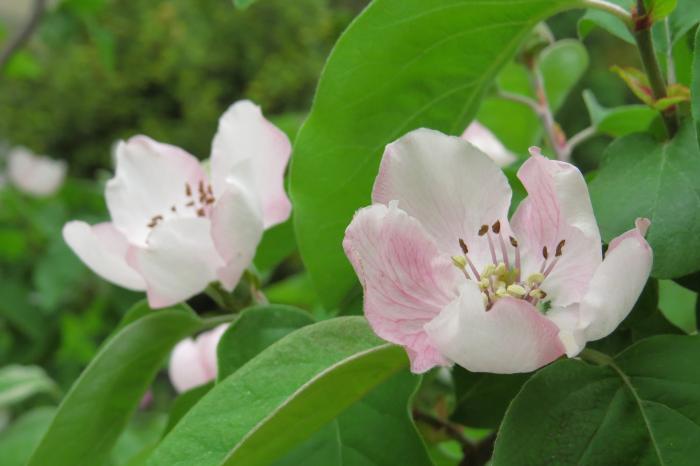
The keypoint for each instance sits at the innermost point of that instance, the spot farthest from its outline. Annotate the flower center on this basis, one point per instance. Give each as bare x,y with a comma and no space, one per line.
500,277
194,204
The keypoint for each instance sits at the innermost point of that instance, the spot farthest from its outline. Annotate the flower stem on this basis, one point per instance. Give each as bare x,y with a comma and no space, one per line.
222,298
611,8
645,44
596,357
212,322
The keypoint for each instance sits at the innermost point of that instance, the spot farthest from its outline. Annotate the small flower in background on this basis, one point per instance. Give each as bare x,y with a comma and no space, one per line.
35,175
176,228
484,140
448,277
193,361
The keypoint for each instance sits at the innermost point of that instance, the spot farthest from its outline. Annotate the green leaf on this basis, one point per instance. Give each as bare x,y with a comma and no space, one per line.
243,4
101,401
256,329
562,65
618,121
401,64
282,396
18,383
640,177
18,440
678,305
184,402
361,434
659,9
641,408
695,86
276,245
481,399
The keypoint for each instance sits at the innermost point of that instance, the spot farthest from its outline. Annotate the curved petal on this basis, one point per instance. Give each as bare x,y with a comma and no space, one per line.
510,337
254,152
150,180
617,283
179,261
237,227
405,280
35,174
557,208
571,332
185,369
207,343
103,248
448,185
488,143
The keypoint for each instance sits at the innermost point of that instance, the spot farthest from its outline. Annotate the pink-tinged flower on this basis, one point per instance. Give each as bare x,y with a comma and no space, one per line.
176,228
447,276
484,140
193,361
35,175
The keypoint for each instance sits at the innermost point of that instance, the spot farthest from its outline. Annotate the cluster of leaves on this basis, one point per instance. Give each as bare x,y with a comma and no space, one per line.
295,387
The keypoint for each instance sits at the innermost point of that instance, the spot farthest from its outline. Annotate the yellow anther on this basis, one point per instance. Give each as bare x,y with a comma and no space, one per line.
501,292
488,270
485,297
537,293
484,283
535,279
459,261
516,291
501,269
499,284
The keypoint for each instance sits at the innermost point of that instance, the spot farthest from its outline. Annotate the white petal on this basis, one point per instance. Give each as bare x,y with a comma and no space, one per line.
179,261
186,370
35,174
451,187
253,152
510,337
102,248
488,143
150,180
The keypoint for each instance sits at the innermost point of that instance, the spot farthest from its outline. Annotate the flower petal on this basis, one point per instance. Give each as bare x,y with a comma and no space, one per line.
617,283
254,152
185,369
35,174
451,187
237,227
557,208
405,280
510,337
150,180
103,248
484,140
179,261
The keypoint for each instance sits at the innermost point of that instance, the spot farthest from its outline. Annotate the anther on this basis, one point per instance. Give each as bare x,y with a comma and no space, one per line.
537,294
516,291
188,190
560,248
545,254
483,230
496,227
501,269
535,279
463,246
513,241
459,261
190,204
201,213
173,209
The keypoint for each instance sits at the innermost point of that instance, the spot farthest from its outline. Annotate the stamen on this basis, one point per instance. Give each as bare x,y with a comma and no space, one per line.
545,254
551,266
460,262
560,248
535,279
190,204
514,243
516,291
188,190
154,221
465,250
484,230
173,209
504,251
201,213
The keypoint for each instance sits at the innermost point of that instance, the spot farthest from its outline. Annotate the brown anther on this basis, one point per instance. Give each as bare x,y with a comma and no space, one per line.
545,254
496,227
463,246
188,189
190,204
201,187
544,295
560,248
513,241
201,213
483,230
209,200
173,209
209,190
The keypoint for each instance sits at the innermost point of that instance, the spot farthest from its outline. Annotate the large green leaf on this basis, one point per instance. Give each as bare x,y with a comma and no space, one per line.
375,431
18,383
401,64
695,85
18,440
256,329
282,396
641,177
100,403
642,408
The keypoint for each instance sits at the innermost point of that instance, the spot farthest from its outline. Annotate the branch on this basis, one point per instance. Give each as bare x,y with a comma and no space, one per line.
556,139
454,431
611,8
577,139
23,35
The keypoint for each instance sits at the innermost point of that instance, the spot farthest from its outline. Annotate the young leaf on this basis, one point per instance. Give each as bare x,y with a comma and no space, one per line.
618,121
640,408
401,64
282,396
640,177
100,403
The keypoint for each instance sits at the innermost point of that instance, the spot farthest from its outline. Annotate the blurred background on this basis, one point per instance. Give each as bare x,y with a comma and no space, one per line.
96,71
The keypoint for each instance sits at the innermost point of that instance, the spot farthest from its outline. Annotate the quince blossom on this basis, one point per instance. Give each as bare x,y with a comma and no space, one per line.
484,140
33,174
176,228
447,276
193,360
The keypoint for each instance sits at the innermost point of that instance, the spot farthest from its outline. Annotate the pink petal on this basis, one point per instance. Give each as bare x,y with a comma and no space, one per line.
484,140
511,337
448,185
151,178
254,152
185,369
34,174
557,208
103,248
237,227
179,261
617,283
405,280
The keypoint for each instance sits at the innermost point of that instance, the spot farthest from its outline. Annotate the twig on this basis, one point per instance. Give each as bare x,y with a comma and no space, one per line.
521,99
578,138
23,35
455,432
556,139
611,8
